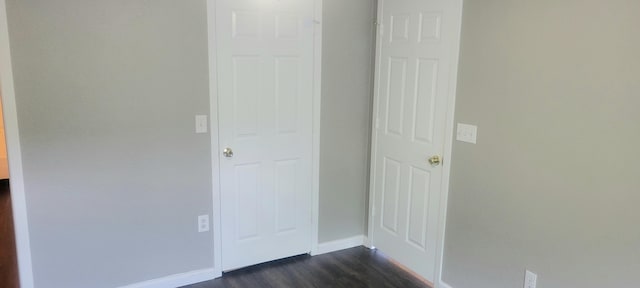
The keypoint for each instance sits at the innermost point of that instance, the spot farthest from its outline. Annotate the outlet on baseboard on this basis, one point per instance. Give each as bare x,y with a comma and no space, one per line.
530,279
203,223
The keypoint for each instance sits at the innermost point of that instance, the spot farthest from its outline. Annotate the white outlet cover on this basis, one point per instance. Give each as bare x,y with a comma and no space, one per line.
203,223
467,133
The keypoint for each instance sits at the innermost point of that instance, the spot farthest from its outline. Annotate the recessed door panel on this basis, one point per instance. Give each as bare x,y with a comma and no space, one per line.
430,26
245,24
399,27
395,94
390,194
246,89
286,187
418,207
286,74
425,100
248,202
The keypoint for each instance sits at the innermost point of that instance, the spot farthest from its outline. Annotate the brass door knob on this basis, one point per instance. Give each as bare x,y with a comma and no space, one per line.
227,152
435,160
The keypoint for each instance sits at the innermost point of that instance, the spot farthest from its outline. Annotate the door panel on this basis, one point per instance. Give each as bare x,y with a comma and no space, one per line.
390,194
416,40
418,209
395,94
265,77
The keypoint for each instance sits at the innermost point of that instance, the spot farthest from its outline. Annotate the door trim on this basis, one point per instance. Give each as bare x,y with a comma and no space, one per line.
448,145
214,124
448,141
216,223
317,97
14,155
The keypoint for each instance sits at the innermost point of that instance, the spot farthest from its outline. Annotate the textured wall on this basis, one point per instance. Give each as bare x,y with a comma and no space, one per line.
114,173
553,183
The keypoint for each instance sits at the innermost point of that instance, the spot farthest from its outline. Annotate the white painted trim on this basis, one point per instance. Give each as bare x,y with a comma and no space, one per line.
448,147
366,242
317,96
371,82
337,245
18,200
215,155
374,129
442,284
214,124
176,280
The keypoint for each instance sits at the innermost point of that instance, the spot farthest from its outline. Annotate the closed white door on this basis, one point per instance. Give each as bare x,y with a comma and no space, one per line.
415,50
265,79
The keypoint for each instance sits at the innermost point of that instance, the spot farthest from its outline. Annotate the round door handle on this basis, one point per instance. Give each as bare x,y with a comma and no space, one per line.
227,152
435,160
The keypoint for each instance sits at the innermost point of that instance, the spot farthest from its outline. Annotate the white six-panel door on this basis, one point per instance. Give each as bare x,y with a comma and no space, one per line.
416,46
265,89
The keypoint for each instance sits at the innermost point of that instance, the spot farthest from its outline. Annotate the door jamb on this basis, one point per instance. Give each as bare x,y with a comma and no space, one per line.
317,97
448,140
456,11
214,124
374,126
14,153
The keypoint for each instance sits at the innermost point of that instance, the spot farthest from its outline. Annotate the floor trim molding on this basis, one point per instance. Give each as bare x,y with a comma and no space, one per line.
340,244
176,280
444,285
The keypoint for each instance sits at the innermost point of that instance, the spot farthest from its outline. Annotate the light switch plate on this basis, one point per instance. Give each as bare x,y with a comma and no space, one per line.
201,124
467,133
530,279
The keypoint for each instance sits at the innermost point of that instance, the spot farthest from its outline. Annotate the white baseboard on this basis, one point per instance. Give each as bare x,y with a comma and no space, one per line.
176,280
444,285
340,244
366,242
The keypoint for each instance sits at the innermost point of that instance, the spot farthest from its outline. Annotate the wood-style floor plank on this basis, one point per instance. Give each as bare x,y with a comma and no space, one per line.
8,262
352,268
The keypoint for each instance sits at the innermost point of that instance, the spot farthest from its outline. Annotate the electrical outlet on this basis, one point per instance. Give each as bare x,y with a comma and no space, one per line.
530,279
203,223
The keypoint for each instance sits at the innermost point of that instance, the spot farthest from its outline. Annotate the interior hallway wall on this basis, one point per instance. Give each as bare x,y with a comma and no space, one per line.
347,54
552,184
114,174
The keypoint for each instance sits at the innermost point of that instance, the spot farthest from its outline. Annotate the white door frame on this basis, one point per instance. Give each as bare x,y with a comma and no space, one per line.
215,151
448,142
14,155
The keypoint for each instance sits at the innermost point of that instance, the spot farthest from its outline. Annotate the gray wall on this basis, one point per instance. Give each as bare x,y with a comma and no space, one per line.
553,183
115,176
347,52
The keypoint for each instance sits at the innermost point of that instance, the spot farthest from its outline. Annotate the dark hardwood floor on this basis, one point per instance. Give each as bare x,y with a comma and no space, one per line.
353,268
8,262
